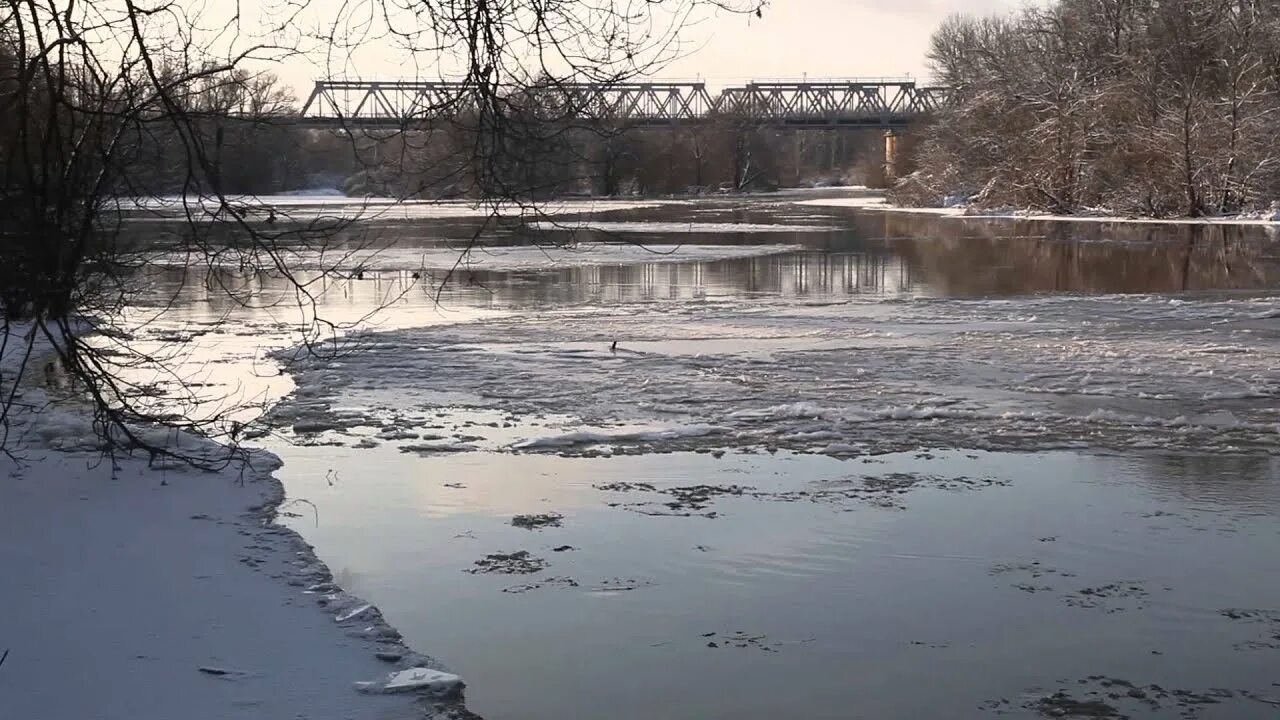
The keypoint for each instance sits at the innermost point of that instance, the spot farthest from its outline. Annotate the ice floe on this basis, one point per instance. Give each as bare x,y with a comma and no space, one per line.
357,261
1017,374
414,680
667,228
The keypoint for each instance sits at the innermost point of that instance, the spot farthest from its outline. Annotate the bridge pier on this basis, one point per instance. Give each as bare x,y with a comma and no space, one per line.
891,138
799,157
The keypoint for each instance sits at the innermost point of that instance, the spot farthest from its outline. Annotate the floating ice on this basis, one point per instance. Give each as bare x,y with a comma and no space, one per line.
668,228
354,262
352,613
1105,372
412,680
304,207
429,448
593,437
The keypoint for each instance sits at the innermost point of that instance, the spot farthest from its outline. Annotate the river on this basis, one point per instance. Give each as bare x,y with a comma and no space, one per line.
815,462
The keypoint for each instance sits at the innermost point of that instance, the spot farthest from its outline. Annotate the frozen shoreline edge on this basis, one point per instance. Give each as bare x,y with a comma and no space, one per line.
359,617
232,515
879,203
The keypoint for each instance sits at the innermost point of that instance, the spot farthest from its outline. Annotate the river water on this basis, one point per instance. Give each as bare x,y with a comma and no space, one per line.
814,462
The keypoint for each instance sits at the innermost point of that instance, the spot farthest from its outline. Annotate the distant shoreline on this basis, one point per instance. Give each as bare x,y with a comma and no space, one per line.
875,200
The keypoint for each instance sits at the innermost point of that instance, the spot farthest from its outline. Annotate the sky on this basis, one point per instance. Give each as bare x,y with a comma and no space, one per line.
824,38
793,39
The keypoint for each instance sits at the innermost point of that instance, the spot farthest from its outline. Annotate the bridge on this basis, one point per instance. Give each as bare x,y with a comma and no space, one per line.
870,104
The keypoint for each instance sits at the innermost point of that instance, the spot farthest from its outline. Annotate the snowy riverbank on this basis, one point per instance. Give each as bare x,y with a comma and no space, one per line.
149,592
880,203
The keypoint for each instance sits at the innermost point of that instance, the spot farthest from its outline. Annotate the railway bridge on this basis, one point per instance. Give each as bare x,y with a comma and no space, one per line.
888,105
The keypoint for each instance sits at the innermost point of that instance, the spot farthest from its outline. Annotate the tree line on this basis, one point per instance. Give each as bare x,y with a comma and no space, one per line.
1151,107
569,155
107,102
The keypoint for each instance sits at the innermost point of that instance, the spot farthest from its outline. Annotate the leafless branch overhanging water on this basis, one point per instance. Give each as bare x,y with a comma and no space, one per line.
121,113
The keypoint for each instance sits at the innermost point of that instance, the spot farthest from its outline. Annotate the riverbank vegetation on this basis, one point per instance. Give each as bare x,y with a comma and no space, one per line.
1149,107
572,155
172,103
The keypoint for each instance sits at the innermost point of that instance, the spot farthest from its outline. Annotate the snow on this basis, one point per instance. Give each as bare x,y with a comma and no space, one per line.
353,613
310,206
878,202
136,592
505,258
433,448
586,437
433,681
1022,374
955,209
129,587
330,192
667,228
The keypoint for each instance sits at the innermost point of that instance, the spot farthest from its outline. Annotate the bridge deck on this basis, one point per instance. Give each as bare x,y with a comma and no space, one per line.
854,103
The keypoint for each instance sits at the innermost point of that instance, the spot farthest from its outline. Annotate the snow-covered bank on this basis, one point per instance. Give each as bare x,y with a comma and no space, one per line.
879,203
149,593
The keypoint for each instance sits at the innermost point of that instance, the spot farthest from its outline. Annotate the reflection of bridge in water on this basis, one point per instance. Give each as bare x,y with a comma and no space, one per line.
870,104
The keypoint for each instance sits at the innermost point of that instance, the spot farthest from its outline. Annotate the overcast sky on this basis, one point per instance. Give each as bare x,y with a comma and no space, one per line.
825,38
817,38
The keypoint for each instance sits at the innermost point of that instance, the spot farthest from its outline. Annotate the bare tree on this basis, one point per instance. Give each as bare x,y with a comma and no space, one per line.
114,108
1160,108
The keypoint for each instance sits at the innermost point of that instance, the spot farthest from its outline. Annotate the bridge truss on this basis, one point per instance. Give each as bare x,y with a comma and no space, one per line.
882,104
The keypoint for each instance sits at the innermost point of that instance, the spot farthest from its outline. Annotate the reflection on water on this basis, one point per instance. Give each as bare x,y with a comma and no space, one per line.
1245,483
998,259
930,604
929,583
884,254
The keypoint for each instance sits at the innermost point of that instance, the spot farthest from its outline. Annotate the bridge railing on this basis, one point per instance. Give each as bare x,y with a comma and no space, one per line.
887,103
385,100
828,103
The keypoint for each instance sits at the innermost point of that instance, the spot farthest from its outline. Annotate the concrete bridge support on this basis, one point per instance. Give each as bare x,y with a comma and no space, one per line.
891,138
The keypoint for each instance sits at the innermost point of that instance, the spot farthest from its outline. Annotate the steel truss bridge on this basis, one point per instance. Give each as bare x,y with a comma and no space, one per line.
882,104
